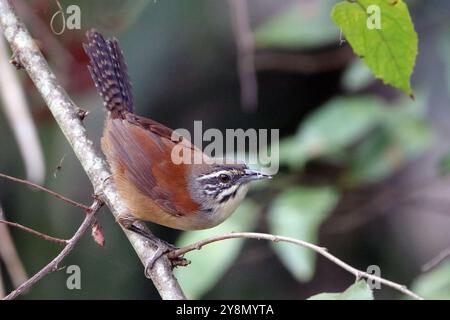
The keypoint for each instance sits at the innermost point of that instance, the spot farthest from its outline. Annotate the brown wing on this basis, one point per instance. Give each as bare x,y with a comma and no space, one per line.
151,125
143,147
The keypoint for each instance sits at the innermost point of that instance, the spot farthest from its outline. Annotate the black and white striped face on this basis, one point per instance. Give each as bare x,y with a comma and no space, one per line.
224,183
219,189
221,185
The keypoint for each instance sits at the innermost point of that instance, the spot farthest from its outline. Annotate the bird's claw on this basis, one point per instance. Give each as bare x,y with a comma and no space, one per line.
162,248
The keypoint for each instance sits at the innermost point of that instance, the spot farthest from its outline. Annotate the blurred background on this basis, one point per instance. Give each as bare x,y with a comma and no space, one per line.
363,167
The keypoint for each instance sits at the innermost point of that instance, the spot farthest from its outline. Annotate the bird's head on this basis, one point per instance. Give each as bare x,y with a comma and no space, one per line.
220,188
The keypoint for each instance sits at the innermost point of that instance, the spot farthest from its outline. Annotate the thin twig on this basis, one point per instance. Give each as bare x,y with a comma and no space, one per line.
64,111
53,193
36,233
9,255
53,265
433,263
245,47
19,118
320,250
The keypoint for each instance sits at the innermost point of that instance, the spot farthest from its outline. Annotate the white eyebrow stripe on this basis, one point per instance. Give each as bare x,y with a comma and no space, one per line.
213,175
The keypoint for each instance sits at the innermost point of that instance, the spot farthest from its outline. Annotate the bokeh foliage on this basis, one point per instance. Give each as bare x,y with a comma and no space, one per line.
181,58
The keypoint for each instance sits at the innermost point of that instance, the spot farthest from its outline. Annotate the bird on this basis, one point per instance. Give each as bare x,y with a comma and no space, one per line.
185,196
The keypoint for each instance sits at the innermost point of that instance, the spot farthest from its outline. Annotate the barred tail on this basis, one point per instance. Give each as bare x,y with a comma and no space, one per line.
109,72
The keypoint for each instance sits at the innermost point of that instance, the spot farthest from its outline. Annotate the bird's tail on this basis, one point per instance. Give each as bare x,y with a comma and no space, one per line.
109,72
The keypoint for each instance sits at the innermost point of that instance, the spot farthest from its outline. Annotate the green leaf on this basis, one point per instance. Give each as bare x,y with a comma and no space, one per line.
357,76
401,137
298,213
434,284
337,124
370,136
358,291
389,51
291,154
444,164
211,262
303,25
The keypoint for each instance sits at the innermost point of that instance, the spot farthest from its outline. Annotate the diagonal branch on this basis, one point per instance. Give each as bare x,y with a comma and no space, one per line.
36,233
9,255
65,112
53,265
433,263
320,250
39,187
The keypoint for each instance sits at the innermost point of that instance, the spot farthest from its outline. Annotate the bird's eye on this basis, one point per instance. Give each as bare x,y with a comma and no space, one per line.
224,178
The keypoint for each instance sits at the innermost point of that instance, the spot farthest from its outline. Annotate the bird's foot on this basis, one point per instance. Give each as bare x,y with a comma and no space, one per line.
162,248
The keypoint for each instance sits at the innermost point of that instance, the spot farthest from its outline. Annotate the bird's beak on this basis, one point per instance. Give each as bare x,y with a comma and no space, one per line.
250,175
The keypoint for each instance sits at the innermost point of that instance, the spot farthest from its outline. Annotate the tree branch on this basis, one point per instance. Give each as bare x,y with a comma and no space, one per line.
53,265
320,250
53,193
433,263
36,233
9,255
64,111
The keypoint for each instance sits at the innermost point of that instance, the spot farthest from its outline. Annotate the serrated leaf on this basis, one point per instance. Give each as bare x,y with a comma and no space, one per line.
389,51
434,284
303,25
358,291
298,213
211,262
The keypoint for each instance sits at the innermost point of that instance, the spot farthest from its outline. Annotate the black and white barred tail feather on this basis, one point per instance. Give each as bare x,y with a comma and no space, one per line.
109,72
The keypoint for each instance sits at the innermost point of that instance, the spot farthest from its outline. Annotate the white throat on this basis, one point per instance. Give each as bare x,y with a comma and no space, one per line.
208,219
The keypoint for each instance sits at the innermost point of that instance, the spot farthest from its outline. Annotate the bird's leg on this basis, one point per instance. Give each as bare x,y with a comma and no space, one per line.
162,247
